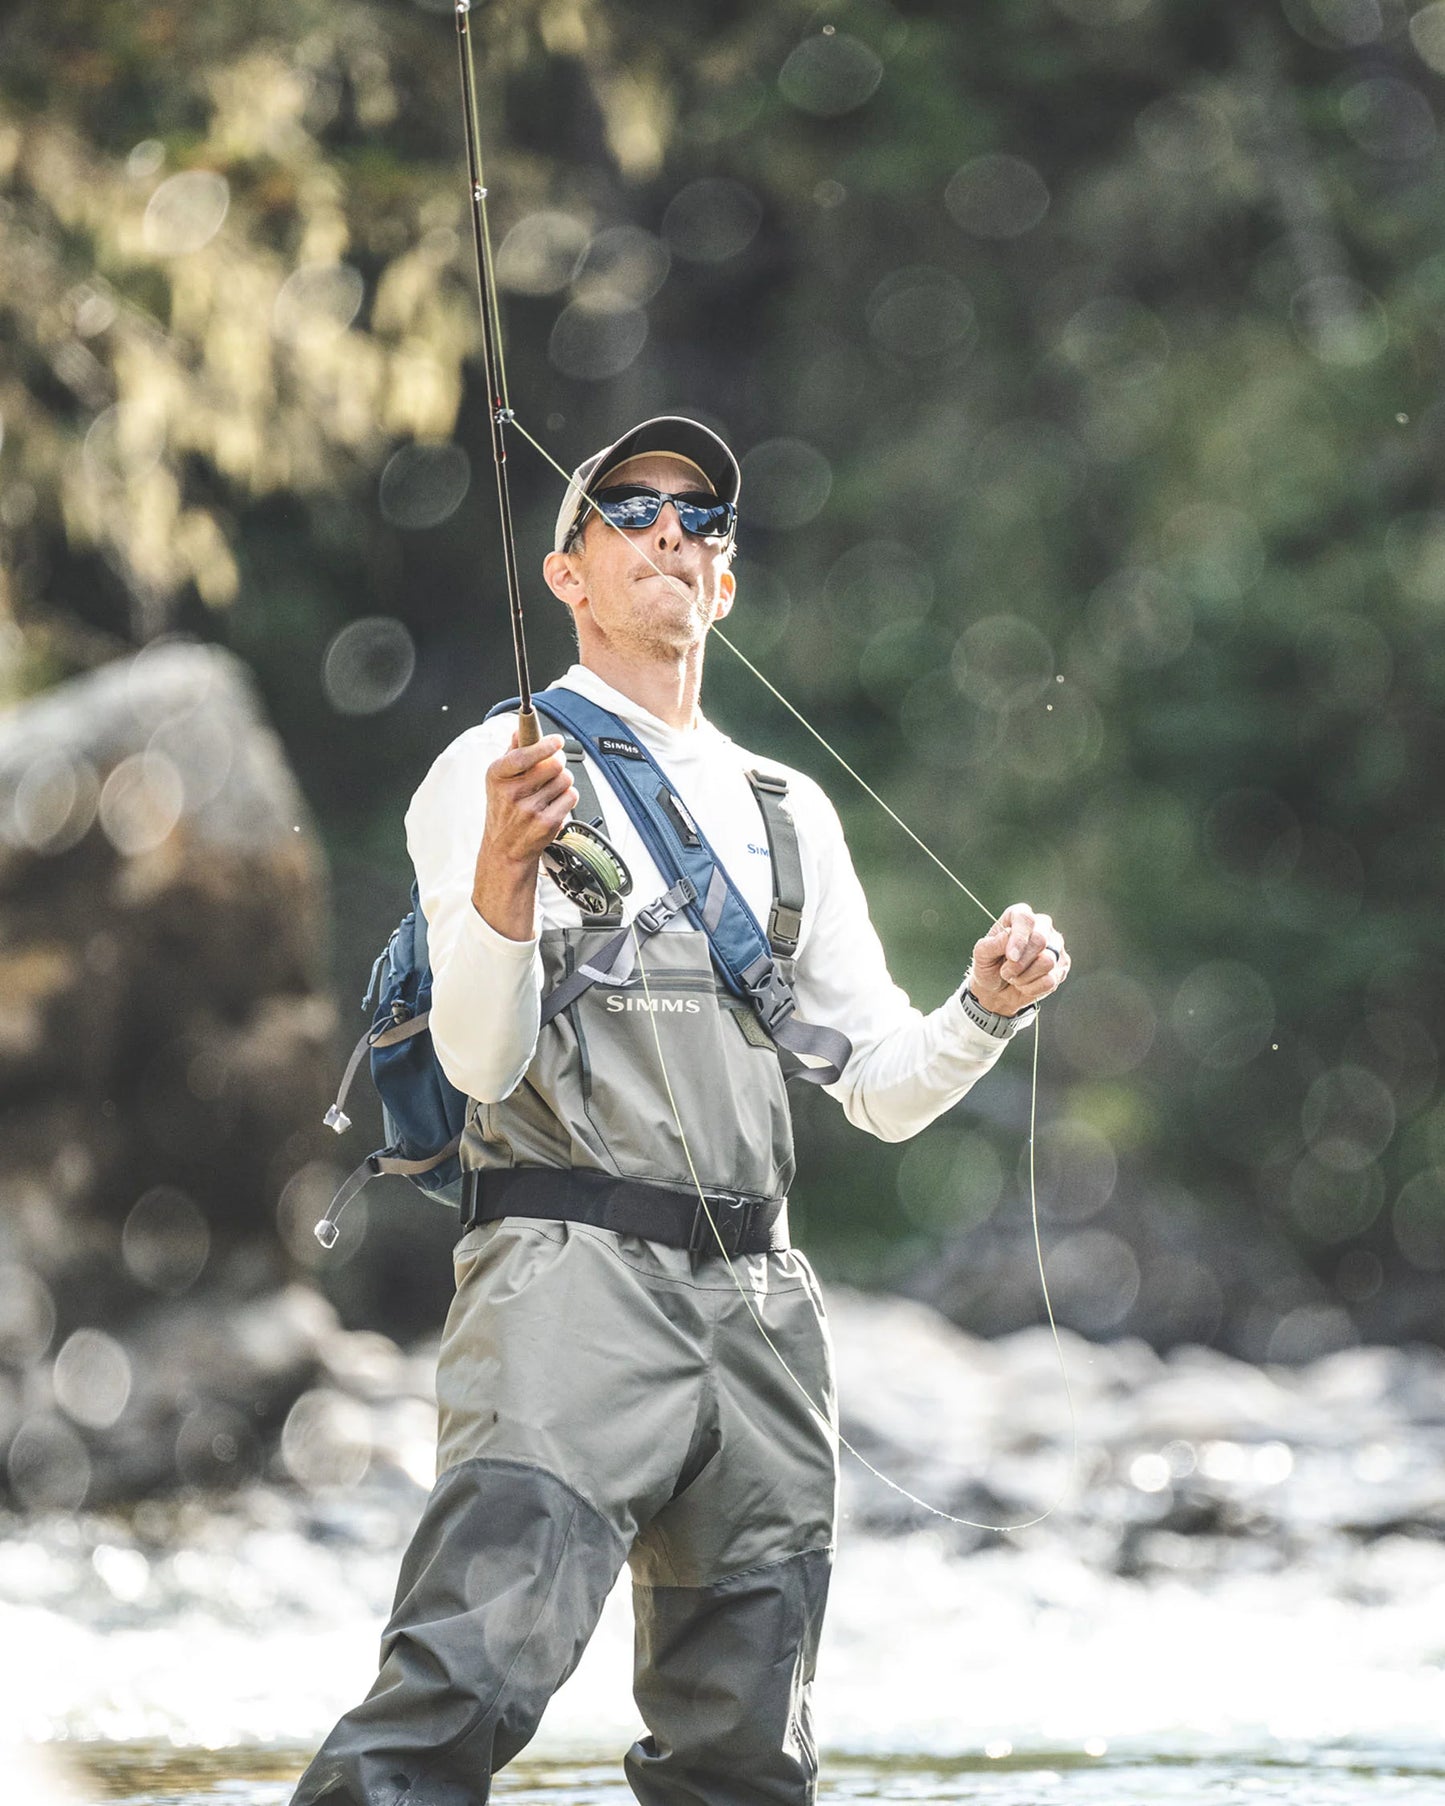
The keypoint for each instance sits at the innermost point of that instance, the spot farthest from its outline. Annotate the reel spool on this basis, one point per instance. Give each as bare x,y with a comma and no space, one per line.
586,868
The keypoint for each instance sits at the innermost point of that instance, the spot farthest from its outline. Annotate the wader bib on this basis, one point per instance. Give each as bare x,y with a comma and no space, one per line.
606,1397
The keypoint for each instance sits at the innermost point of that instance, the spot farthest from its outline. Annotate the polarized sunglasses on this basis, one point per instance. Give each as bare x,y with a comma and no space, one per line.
631,506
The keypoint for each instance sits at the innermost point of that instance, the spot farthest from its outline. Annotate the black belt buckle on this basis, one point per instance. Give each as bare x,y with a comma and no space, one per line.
731,1219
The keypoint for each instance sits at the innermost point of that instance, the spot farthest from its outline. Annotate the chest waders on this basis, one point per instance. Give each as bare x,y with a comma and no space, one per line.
604,1395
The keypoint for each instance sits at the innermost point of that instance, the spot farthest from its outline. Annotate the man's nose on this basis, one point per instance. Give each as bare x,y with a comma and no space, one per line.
668,528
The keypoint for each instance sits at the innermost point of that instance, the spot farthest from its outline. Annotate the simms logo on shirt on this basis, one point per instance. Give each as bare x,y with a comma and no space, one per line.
620,749
669,1006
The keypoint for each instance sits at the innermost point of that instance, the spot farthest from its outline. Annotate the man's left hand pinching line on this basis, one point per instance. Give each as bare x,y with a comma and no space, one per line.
1021,960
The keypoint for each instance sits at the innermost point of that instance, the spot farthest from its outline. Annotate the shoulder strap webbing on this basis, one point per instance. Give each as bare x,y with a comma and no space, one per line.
589,810
785,920
740,950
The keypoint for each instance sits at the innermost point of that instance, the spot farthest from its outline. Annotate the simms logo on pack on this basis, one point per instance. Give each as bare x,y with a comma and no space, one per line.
668,1006
620,749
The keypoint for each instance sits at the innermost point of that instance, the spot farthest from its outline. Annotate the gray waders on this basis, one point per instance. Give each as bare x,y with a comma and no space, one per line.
605,1398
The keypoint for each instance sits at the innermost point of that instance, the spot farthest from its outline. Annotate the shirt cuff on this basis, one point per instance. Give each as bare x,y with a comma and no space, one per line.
483,935
998,1030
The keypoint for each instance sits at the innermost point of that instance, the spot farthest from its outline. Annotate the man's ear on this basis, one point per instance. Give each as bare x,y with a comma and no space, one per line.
727,589
564,579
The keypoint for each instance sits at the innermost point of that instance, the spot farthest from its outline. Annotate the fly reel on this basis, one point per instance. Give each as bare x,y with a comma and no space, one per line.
586,868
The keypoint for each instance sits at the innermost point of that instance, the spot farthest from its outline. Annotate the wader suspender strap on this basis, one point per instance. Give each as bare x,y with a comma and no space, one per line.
588,810
785,920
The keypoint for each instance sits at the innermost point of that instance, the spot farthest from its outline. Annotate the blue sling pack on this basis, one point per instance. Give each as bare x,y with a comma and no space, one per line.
424,1114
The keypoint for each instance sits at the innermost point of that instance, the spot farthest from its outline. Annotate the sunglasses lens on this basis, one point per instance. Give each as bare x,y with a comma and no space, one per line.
629,508
710,520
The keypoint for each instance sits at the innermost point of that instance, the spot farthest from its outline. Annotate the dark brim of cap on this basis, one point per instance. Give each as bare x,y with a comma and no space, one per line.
673,433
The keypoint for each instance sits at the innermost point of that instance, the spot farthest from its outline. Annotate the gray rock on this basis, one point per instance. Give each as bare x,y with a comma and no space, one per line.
165,1055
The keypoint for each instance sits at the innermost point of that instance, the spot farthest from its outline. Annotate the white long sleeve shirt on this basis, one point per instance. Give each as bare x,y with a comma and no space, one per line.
906,1067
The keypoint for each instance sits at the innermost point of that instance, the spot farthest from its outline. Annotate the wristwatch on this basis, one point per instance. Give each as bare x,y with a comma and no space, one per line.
1002,1028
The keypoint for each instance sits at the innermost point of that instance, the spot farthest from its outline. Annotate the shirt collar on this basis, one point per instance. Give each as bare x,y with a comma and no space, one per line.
677,740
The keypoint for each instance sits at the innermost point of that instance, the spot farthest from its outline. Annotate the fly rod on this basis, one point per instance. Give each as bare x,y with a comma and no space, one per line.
581,861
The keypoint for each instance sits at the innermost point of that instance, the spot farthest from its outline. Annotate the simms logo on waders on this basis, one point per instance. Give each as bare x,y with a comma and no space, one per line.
666,1006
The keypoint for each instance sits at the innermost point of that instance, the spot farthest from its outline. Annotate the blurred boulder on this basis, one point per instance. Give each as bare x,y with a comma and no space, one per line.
165,1053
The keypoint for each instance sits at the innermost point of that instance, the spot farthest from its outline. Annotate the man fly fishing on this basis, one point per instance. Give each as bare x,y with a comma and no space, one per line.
605,1394
638,932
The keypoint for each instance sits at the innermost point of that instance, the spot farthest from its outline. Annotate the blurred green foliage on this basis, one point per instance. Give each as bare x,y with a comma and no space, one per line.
1084,357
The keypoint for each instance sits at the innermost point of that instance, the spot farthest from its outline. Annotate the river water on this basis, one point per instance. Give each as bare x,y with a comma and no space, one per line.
1242,1598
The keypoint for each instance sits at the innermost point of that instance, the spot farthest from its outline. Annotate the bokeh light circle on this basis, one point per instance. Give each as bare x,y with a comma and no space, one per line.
541,253
317,298
829,74
1332,1203
48,1465
623,267
1340,320
185,213
1003,662
1427,34
711,220
123,444
1389,118
368,665
595,343
1114,340
996,196
141,803
922,312
326,1441
423,485
92,1378
1348,1117
1075,1169
53,804
165,1242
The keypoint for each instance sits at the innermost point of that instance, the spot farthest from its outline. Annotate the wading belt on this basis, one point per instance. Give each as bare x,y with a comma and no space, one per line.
658,1213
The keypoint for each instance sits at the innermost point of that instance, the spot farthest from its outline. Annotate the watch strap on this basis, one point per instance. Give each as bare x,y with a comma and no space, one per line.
1002,1028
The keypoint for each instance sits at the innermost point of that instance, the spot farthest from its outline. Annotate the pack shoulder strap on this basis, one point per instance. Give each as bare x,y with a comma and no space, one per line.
785,920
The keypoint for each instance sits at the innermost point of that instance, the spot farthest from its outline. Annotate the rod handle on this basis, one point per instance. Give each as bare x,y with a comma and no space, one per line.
529,729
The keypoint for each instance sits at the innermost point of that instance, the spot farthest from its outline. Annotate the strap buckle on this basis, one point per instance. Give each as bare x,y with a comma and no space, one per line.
784,927
655,916
770,994
731,1219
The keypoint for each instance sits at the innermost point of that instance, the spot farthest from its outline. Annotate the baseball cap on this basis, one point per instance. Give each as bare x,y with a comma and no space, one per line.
674,434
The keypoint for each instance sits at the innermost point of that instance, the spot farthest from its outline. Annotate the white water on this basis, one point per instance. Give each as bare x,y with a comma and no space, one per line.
255,1621
255,1635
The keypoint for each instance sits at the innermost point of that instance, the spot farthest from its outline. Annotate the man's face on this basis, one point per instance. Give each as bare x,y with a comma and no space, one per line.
655,590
